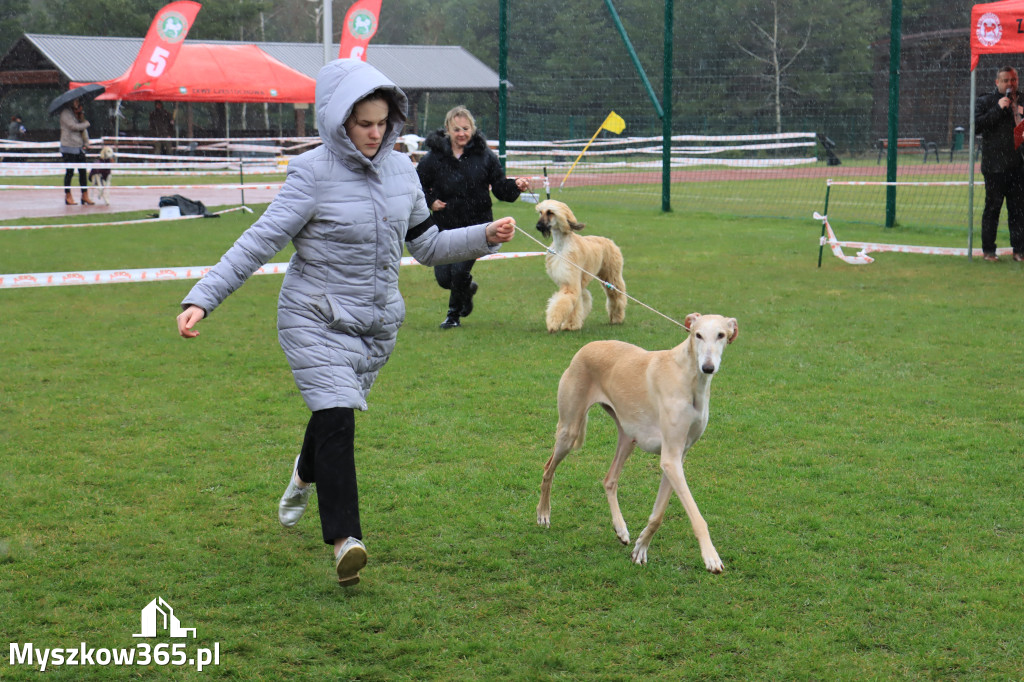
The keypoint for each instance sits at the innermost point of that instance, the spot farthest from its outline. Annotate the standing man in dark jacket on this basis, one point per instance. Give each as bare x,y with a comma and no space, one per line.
995,116
458,175
161,125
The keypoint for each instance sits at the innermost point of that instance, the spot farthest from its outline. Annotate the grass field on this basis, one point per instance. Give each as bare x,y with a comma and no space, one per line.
861,473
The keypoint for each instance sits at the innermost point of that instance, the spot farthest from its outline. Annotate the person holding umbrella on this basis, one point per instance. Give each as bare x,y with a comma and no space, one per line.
74,137
16,128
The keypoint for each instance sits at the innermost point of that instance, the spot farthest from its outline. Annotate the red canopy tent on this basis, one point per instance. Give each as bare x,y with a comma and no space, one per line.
220,73
996,28
204,72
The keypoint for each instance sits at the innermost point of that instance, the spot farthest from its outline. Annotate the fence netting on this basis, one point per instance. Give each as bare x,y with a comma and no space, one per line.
744,143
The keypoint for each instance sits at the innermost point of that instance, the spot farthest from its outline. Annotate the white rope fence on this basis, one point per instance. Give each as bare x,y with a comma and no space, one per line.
164,274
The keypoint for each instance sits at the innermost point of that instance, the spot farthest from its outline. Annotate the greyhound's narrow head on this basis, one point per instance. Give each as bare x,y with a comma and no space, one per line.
107,154
709,335
556,217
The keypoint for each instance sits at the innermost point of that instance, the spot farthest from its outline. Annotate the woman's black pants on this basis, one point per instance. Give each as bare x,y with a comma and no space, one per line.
83,179
457,278
328,459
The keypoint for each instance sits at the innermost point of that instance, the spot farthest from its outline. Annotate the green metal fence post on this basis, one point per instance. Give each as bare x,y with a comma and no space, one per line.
502,78
666,120
663,109
895,36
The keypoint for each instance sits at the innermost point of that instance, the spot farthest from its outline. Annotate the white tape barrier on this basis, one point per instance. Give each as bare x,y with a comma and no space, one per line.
900,183
864,248
58,279
122,222
37,170
236,186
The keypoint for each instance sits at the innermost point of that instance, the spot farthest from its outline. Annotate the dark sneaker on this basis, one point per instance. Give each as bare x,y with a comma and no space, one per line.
450,322
467,306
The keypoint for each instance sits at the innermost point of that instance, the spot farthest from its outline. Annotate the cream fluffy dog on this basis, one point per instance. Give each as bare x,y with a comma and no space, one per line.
599,256
659,401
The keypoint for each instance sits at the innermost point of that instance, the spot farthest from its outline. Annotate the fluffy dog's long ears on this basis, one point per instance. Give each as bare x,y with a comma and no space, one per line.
558,211
566,214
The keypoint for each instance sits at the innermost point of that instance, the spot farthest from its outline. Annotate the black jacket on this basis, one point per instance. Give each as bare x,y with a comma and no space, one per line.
466,183
995,126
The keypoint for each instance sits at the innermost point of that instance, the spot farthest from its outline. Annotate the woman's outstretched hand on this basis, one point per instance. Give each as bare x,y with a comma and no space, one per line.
187,320
501,230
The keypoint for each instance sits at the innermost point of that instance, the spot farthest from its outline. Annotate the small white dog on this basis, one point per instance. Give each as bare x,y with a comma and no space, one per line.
99,178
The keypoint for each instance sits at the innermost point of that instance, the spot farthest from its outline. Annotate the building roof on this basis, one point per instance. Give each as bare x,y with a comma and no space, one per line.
411,67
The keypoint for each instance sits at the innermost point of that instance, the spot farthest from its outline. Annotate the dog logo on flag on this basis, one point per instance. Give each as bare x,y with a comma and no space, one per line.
172,27
363,24
989,31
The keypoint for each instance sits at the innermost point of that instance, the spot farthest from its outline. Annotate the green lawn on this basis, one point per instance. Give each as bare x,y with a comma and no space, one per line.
861,473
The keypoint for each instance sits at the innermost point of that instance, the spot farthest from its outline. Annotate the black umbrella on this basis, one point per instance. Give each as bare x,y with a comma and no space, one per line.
82,92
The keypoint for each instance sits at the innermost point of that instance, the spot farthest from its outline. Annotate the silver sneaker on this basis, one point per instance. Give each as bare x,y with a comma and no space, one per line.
349,561
293,502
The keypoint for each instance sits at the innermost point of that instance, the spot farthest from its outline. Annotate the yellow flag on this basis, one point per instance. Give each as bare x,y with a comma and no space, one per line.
614,123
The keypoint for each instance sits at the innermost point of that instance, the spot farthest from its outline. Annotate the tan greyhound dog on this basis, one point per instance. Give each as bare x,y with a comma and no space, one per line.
659,401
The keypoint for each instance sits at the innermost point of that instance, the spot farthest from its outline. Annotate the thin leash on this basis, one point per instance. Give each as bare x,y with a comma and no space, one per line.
606,285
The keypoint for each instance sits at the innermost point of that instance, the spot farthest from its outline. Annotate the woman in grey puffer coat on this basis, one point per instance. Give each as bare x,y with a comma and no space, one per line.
348,206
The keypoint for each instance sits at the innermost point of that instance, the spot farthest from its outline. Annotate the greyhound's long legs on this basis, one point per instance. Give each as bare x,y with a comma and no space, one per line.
564,439
673,472
623,450
639,554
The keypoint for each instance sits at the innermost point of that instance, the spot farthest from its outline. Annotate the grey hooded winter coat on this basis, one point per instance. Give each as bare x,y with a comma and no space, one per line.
348,216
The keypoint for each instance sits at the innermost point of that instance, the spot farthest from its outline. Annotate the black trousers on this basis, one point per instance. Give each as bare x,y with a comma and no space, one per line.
83,179
1000,186
328,459
455,277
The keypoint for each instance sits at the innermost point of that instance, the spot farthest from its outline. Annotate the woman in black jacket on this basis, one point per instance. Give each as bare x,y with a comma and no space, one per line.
458,175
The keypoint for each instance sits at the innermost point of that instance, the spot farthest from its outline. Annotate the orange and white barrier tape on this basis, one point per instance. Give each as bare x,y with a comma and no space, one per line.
864,248
56,279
